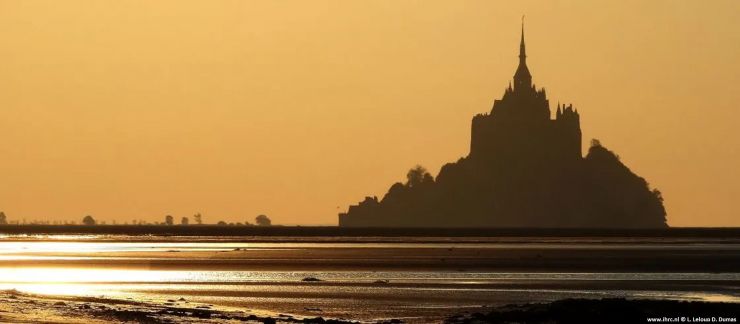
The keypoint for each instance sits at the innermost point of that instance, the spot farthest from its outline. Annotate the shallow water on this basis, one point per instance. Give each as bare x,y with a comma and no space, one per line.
415,293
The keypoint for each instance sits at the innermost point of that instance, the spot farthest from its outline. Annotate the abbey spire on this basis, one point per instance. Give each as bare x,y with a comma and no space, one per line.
522,49
522,78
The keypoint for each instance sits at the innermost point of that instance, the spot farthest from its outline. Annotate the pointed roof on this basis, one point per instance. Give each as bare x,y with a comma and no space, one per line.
522,50
522,75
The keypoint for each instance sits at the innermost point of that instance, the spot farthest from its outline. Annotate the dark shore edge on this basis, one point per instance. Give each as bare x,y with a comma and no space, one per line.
607,310
335,231
20,307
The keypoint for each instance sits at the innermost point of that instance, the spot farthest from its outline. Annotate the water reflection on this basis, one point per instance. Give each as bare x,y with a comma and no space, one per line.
92,281
104,275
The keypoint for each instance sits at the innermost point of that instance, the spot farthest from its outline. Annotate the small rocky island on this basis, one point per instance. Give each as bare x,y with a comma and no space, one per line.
524,169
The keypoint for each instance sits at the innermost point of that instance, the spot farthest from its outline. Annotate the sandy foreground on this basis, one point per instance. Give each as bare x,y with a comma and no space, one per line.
18,307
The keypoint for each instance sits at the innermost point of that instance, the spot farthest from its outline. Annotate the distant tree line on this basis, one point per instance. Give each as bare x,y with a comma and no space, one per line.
260,220
169,220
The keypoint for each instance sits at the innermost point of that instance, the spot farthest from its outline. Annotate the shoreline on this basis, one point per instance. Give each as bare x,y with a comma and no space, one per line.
319,231
606,310
18,306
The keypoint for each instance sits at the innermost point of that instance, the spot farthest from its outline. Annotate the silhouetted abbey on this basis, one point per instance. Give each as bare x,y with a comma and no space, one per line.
524,170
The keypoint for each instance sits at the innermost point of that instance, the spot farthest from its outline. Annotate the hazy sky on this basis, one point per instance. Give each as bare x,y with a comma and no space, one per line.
137,109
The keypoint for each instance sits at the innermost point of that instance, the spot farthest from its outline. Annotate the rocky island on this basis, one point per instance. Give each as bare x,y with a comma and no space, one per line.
524,169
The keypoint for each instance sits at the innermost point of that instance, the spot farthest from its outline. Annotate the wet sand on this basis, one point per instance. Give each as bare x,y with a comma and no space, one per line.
578,257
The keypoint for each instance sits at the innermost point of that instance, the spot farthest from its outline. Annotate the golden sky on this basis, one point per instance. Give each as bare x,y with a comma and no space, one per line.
136,109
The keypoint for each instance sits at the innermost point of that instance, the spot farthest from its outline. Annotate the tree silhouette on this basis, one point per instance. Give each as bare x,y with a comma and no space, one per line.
89,220
3,219
417,175
169,220
263,220
198,219
184,221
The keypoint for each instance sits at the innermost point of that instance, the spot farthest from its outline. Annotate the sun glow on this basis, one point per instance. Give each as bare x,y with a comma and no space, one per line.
83,281
88,275
63,289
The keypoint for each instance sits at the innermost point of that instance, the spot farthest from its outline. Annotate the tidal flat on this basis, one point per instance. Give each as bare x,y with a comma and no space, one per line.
366,279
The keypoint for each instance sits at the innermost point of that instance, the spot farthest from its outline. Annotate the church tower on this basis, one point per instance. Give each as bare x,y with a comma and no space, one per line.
522,77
